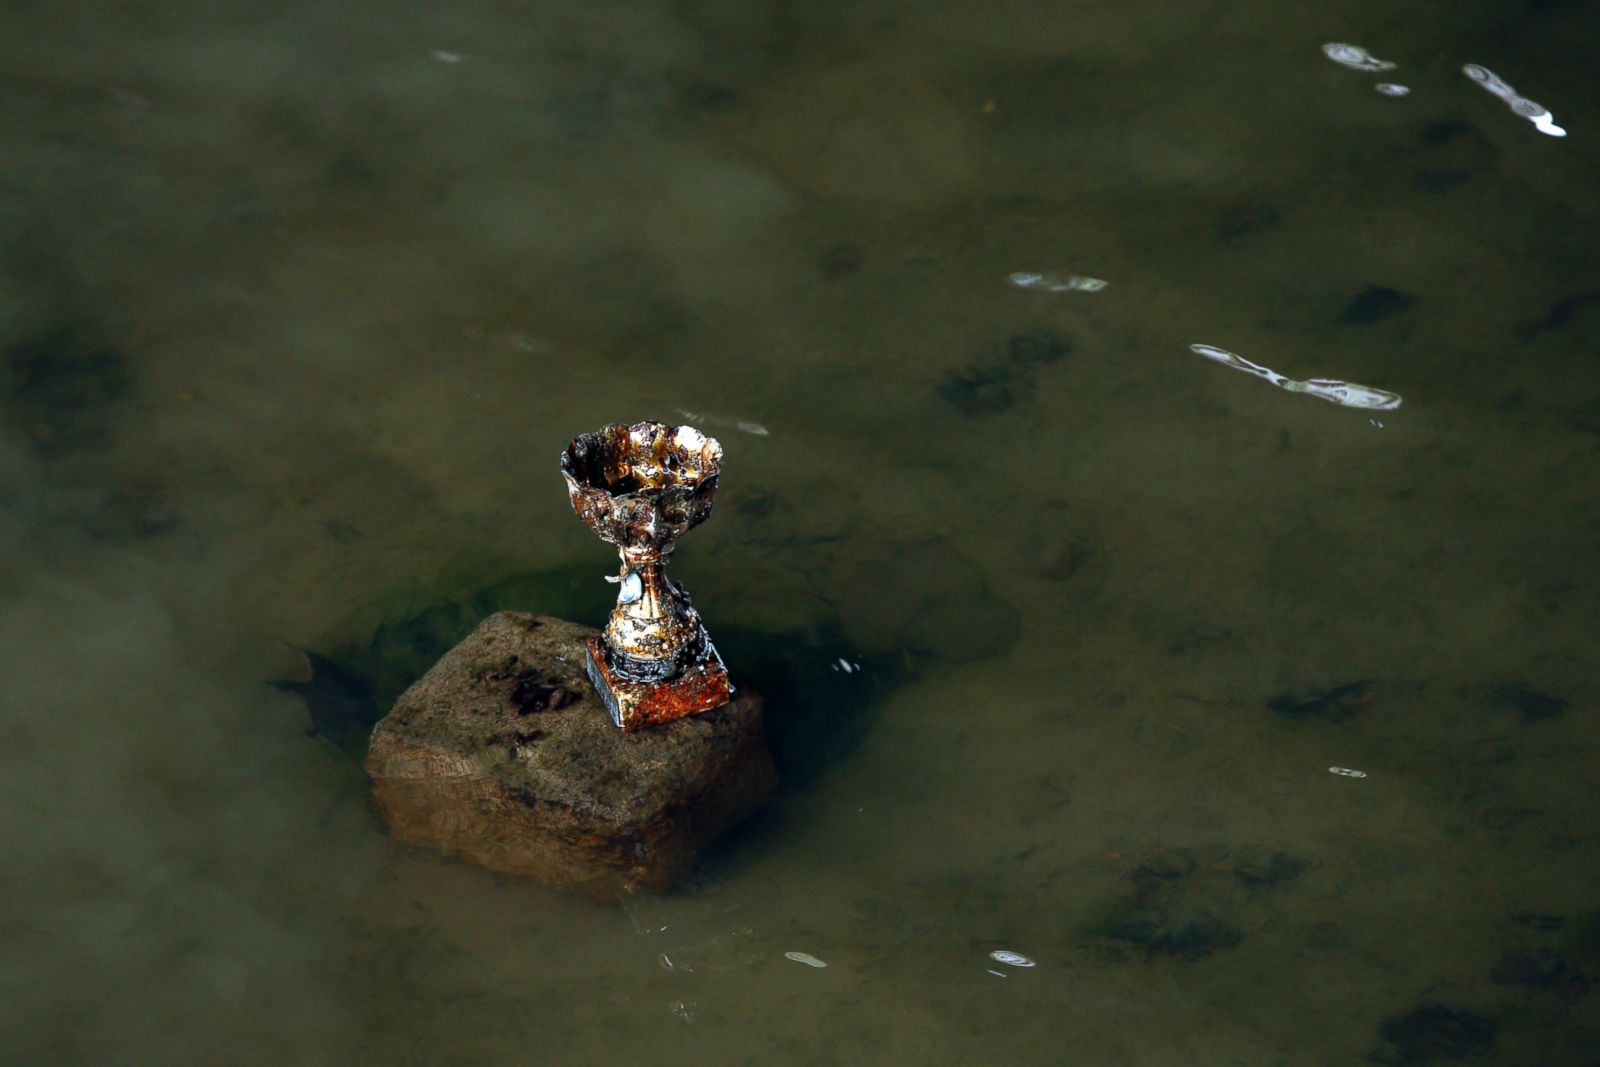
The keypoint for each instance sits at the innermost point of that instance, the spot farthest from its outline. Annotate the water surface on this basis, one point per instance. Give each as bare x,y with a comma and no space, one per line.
300,302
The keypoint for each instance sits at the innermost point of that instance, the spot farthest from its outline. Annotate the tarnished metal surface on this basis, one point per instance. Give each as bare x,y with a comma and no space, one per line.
641,487
634,704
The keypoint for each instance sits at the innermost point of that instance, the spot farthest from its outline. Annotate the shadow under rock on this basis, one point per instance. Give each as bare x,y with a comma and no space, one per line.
820,694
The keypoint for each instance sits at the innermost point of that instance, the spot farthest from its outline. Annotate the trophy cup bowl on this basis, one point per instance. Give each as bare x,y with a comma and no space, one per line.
640,488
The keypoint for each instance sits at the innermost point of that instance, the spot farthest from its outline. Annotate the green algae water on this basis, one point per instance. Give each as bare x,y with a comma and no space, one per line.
1130,710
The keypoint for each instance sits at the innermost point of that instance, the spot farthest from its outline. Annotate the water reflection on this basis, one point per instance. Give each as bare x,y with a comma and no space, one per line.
1355,57
1334,391
749,426
1538,114
1057,281
804,957
292,317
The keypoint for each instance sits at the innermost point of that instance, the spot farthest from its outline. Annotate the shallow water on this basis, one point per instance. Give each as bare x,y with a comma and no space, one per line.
300,303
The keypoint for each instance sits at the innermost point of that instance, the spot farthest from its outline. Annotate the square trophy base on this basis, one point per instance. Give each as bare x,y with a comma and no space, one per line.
635,705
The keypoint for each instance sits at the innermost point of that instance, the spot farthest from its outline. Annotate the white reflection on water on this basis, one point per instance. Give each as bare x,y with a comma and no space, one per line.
749,426
1349,394
1011,959
1538,114
1392,89
1056,281
804,957
1355,57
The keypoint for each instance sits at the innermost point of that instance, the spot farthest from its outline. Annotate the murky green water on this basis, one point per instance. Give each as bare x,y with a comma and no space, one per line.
300,302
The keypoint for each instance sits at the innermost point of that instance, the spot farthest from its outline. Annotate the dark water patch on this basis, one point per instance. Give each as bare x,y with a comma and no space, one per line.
1191,940
1278,867
1003,375
985,388
1503,818
1542,970
1435,1032
1166,865
1580,940
708,98
1199,637
1436,180
1437,132
1445,154
339,698
1538,920
1530,703
1330,705
1239,221
1561,314
921,596
838,261
61,391
1374,304
752,502
1065,557
132,513
1327,937
1189,903
1035,347
817,712
1454,133
353,685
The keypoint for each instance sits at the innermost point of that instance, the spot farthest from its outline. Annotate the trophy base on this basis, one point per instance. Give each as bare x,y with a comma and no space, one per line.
635,705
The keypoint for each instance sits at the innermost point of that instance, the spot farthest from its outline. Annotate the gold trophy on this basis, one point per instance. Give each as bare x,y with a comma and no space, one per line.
642,487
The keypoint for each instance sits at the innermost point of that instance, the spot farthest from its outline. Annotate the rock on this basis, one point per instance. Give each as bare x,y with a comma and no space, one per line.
502,754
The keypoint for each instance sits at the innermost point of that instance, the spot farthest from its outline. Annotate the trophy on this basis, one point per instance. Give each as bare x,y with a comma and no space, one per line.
642,487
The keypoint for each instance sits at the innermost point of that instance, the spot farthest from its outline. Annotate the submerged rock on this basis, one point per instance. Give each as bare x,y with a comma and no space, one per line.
503,755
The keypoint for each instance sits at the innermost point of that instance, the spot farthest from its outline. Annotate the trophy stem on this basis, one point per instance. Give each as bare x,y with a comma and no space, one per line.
654,662
654,589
